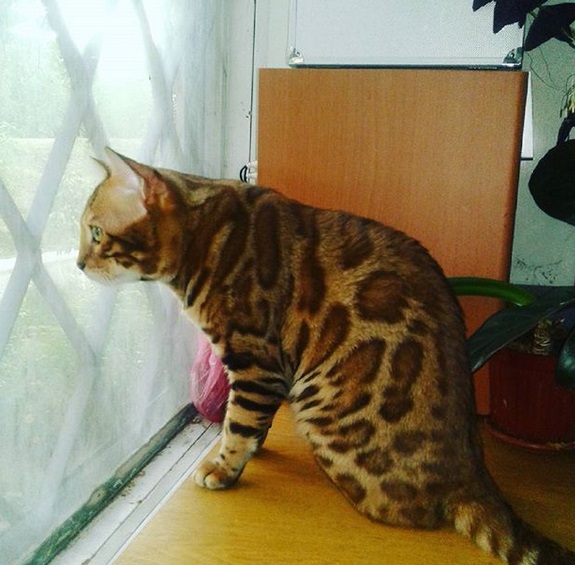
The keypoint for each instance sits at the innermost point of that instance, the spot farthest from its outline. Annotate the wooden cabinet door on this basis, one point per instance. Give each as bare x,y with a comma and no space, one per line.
434,153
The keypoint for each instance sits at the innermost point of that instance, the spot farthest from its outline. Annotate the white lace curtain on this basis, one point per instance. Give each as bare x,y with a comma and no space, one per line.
89,374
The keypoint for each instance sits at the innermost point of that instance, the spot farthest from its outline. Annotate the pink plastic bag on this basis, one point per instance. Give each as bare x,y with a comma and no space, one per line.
209,383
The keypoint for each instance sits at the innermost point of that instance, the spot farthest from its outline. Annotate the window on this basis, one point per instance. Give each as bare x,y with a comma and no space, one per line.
89,374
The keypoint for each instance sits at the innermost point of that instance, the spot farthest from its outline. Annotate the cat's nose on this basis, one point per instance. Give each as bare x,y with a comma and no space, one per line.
81,264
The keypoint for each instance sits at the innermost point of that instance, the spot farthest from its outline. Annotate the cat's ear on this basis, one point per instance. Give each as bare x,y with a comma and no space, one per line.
140,178
103,165
121,168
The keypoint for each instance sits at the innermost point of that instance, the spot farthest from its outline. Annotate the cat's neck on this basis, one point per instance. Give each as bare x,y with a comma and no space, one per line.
211,215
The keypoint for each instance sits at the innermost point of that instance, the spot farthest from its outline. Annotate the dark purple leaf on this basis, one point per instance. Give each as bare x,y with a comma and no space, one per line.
565,128
552,182
512,11
479,4
551,22
565,372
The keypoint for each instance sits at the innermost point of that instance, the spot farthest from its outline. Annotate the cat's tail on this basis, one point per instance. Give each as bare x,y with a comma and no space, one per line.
491,523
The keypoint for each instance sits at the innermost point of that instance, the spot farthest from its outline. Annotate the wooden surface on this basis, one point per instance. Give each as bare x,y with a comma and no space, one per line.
434,153
285,511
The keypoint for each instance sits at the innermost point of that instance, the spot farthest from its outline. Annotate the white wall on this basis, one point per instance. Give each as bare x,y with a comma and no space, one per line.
239,86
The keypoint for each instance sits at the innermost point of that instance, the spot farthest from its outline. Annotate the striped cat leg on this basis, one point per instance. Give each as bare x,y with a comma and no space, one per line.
252,405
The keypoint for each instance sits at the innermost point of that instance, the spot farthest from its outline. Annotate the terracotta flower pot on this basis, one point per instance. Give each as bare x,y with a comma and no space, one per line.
528,408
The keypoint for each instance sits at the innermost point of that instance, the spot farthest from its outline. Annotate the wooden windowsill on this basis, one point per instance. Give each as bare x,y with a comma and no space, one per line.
284,510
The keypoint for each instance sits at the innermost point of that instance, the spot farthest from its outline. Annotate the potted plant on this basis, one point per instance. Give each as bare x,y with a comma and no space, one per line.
533,367
532,395
528,407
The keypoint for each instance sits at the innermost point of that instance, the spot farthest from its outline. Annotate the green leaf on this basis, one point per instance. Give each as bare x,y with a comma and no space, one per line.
511,323
478,286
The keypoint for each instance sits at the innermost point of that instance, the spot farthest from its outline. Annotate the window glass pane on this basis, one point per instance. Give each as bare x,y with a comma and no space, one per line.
89,374
80,175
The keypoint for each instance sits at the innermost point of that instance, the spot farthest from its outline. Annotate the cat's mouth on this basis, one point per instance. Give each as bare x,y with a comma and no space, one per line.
107,278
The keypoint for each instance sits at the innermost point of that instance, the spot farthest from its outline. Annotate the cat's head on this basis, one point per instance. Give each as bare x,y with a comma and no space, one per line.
128,231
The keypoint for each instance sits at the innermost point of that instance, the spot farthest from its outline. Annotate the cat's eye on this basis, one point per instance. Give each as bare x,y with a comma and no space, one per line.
96,234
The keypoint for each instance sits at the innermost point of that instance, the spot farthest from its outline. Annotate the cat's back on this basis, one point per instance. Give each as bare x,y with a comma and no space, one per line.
379,267
347,240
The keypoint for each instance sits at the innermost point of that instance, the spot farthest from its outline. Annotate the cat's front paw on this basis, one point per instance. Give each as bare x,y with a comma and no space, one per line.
213,476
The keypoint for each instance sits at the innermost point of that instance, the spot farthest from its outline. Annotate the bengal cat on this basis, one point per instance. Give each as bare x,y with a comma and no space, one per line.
351,321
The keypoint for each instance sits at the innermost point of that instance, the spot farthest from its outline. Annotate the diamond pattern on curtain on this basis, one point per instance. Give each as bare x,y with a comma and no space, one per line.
88,374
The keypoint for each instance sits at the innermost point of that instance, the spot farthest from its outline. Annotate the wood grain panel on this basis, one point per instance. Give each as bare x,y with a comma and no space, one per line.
285,511
434,153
